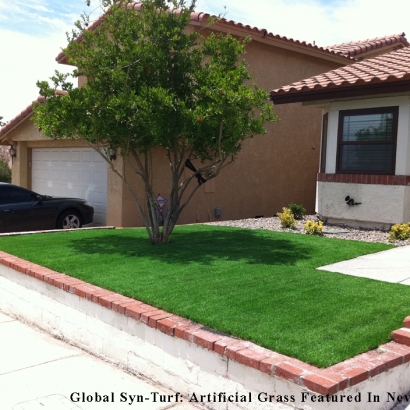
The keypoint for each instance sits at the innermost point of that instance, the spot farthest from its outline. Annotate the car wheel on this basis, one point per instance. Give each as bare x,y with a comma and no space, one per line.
69,220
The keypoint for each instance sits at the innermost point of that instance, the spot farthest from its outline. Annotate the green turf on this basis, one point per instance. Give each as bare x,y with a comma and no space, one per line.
258,285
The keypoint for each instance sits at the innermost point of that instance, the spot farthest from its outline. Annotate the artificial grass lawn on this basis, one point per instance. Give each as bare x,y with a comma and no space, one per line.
258,285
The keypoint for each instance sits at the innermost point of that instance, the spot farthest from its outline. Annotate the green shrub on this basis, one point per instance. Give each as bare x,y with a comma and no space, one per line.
399,232
313,228
287,220
5,172
297,210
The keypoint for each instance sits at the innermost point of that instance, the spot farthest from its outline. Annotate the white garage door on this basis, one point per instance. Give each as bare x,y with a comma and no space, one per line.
72,172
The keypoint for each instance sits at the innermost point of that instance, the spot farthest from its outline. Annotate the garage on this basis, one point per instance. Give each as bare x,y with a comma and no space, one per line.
72,172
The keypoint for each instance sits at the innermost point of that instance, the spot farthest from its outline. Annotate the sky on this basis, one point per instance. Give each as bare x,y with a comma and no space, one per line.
33,32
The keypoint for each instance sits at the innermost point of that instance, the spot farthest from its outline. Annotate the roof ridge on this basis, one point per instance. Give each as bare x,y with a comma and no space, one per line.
200,16
354,48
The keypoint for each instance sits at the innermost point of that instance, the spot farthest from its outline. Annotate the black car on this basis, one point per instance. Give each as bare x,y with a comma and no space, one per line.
25,210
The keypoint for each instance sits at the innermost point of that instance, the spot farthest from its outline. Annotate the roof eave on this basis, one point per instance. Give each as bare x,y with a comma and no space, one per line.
327,94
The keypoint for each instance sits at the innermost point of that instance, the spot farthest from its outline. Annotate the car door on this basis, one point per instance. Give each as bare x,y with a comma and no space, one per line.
20,210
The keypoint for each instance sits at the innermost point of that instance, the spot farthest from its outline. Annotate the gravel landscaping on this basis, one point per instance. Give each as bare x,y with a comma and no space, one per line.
330,231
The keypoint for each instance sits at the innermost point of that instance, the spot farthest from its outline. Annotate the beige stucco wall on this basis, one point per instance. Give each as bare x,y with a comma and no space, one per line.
380,205
270,172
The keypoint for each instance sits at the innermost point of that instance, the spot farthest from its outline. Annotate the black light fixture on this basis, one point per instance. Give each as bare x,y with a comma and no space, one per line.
350,201
12,151
199,177
112,153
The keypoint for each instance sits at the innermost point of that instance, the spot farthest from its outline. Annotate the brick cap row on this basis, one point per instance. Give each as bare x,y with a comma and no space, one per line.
323,381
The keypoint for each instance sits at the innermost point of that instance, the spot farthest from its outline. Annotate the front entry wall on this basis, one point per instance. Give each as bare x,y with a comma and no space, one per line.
380,205
385,199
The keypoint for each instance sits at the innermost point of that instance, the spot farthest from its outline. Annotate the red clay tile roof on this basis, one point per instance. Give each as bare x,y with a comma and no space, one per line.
199,18
393,67
356,48
26,113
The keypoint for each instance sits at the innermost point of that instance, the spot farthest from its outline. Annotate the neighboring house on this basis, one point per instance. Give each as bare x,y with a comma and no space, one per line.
270,172
365,149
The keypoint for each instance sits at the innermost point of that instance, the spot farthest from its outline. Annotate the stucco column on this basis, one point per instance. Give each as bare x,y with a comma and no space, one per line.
20,174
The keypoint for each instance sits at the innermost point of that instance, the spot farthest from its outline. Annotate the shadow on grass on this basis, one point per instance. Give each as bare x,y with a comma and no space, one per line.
203,247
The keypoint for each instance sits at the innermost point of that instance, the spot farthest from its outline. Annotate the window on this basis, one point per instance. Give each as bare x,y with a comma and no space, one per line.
367,141
11,195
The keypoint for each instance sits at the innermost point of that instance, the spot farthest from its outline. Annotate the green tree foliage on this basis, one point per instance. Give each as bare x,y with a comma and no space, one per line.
5,171
151,82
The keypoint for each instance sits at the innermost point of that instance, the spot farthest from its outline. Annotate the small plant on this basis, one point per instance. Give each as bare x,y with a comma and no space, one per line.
399,232
297,210
5,172
287,219
313,228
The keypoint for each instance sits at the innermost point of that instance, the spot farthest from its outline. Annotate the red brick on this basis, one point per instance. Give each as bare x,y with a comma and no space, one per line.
302,365
335,377
373,361
106,300
135,311
206,339
153,319
166,326
70,286
189,332
406,322
288,371
39,276
60,281
119,306
231,349
392,359
268,365
221,344
400,349
401,336
181,327
356,375
47,278
97,293
81,290
250,358
320,384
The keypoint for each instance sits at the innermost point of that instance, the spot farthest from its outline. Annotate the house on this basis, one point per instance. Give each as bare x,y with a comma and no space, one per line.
270,172
364,172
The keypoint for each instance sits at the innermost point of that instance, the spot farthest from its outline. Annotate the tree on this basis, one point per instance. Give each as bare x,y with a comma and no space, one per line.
153,83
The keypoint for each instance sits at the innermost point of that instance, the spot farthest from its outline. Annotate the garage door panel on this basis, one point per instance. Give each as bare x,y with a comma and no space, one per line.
72,172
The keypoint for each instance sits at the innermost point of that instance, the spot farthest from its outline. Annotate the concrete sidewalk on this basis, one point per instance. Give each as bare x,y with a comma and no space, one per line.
392,265
39,372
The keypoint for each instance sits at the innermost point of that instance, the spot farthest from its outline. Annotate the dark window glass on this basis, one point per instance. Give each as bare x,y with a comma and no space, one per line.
12,195
367,140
